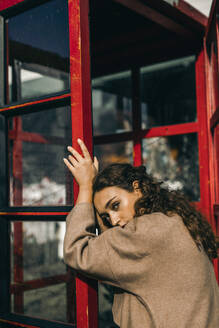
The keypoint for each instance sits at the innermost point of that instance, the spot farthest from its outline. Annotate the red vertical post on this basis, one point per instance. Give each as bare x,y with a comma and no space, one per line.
216,144
216,129
136,117
204,173
17,201
210,89
211,100
86,295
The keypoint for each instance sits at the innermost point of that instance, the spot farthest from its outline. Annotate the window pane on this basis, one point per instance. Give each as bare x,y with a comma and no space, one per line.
38,175
105,302
168,93
37,254
39,51
120,152
174,160
45,303
112,104
41,247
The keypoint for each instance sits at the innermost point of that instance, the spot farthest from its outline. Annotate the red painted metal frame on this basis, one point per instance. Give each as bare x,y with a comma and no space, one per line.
173,17
190,11
136,117
214,119
216,144
82,125
9,3
39,283
182,11
214,122
211,53
17,201
18,137
17,214
86,296
138,134
158,18
209,88
211,18
213,178
203,137
9,322
169,130
11,108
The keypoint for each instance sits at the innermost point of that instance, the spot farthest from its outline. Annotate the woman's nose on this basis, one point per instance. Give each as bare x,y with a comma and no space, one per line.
115,220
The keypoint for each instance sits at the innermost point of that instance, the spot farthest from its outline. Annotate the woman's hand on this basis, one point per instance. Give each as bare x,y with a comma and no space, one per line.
82,167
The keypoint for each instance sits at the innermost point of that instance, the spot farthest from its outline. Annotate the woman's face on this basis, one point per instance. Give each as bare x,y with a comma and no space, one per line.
116,205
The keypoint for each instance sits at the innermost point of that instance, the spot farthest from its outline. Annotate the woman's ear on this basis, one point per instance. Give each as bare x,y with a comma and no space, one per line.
135,185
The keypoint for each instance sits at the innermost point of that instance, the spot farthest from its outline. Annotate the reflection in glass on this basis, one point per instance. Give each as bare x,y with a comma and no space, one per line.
168,93
36,254
3,177
46,303
39,51
42,249
174,160
105,303
38,144
120,152
112,103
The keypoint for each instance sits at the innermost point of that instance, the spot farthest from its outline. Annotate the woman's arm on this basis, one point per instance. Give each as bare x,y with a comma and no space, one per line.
117,255
83,251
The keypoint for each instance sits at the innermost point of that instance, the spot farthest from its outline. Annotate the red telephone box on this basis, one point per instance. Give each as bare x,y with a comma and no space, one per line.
138,81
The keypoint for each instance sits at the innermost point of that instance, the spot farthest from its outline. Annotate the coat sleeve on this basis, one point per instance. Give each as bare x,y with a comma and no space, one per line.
84,251
119,256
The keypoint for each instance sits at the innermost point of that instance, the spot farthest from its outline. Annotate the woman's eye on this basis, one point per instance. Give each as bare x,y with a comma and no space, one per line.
106,221
115,206
105,217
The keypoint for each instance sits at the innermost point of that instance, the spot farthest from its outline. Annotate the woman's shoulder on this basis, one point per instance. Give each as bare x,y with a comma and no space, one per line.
144,235
155,226
155,220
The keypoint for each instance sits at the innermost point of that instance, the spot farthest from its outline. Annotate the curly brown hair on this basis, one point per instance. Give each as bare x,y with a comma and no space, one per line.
158,198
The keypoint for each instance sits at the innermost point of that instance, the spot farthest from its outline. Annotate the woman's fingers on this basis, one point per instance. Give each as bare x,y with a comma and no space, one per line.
75,153
82,168
72,160
96,163
84,149
70,167
76,159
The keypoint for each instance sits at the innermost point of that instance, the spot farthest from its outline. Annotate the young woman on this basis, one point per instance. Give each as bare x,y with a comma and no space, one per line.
155,247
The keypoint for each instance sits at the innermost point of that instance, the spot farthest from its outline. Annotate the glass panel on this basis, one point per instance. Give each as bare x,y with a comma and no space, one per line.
174,160
38,175
168,93
105,302
37,254
39,51
121,152
47,303
41,250
112,103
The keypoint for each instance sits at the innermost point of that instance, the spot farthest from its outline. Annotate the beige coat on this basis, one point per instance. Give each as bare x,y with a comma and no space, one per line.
165,280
